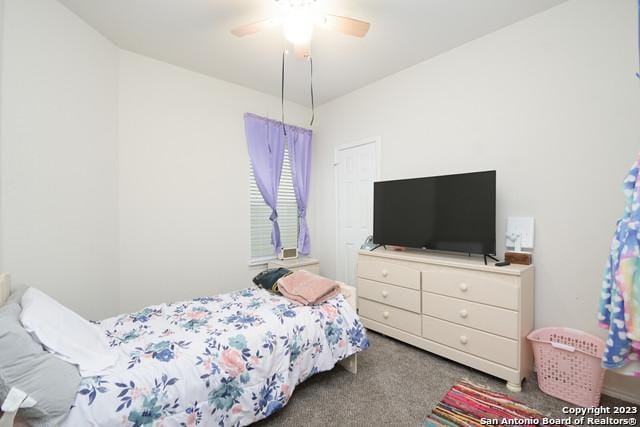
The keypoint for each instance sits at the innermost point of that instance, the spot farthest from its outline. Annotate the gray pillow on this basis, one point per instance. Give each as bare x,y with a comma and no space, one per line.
26,365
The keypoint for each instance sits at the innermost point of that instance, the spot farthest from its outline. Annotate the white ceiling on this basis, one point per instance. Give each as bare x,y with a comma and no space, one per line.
194,34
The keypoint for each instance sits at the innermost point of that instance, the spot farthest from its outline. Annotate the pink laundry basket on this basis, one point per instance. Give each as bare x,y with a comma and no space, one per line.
568,363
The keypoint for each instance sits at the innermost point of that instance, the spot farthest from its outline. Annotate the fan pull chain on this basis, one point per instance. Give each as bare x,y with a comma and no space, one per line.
284,128
313,107
282,78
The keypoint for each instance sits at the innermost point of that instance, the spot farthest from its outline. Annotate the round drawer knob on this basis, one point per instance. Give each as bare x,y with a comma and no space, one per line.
385,273
463,339
385,314
464,287
385,294
464,313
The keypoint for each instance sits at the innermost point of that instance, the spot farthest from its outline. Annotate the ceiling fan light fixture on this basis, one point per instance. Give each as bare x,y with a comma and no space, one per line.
299,17
298,28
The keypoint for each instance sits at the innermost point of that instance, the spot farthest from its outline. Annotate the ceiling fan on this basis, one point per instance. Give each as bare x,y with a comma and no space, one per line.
298,18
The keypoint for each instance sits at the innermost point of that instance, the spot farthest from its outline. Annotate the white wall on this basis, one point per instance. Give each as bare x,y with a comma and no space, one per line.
1,67
59,171
550,102
184,186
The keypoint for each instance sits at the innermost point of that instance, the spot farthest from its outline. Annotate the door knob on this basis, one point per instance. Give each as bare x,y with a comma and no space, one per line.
464,287
385,314
463,339
385,273
464,313
385,294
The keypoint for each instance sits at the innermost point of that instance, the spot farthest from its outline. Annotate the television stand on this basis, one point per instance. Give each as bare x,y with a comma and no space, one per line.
490,256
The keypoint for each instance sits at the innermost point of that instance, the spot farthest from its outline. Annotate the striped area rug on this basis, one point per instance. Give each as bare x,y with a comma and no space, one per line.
466,404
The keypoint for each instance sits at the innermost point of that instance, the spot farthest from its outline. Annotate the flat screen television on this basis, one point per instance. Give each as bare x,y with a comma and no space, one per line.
454,213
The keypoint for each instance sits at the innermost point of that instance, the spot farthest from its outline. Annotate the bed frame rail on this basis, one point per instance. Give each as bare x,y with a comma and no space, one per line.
350,295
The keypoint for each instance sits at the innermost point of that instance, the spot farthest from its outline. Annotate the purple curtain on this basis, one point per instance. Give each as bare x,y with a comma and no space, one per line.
300,157
265,140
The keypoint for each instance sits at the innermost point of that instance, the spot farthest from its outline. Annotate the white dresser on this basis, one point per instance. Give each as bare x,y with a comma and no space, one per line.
453,306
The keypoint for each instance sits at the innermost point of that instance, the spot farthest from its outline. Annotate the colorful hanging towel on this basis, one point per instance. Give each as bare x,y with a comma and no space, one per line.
620,299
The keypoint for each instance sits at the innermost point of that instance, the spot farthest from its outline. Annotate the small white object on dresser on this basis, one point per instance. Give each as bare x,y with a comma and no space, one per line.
451,305
310,264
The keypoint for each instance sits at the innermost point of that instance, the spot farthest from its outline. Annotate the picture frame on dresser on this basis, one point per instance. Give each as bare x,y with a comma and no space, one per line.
451,305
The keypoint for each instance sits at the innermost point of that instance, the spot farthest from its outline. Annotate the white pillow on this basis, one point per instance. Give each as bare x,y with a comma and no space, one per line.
5,287
66,334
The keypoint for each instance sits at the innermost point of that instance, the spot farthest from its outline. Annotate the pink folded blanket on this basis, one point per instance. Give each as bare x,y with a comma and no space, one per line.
307,288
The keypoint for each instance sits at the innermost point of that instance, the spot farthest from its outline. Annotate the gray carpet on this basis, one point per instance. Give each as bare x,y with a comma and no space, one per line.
396,385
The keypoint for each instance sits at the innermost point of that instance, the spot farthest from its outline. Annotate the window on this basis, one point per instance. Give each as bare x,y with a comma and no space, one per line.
287,214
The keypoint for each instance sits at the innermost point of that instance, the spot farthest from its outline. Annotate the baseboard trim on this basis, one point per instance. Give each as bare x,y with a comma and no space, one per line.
621,395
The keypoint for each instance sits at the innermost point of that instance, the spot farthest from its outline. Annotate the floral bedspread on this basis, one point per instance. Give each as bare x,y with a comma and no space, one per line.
227,360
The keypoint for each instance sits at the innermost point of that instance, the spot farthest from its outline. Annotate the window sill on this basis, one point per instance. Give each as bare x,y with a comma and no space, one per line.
259,262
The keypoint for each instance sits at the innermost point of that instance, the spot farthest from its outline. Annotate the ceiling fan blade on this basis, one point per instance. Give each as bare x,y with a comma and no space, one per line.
255,27
342,24
302,51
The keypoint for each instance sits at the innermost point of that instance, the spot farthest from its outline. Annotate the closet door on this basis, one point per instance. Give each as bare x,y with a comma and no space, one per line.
356,169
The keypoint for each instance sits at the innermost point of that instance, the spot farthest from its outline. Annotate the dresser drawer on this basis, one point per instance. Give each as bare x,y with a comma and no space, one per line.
487,346
398,318
394,274
487,318
408,299
478,286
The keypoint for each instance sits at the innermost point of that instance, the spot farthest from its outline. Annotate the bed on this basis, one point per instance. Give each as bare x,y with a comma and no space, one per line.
227,360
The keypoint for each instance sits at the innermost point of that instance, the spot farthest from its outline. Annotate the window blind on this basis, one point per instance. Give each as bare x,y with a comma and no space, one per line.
260,212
